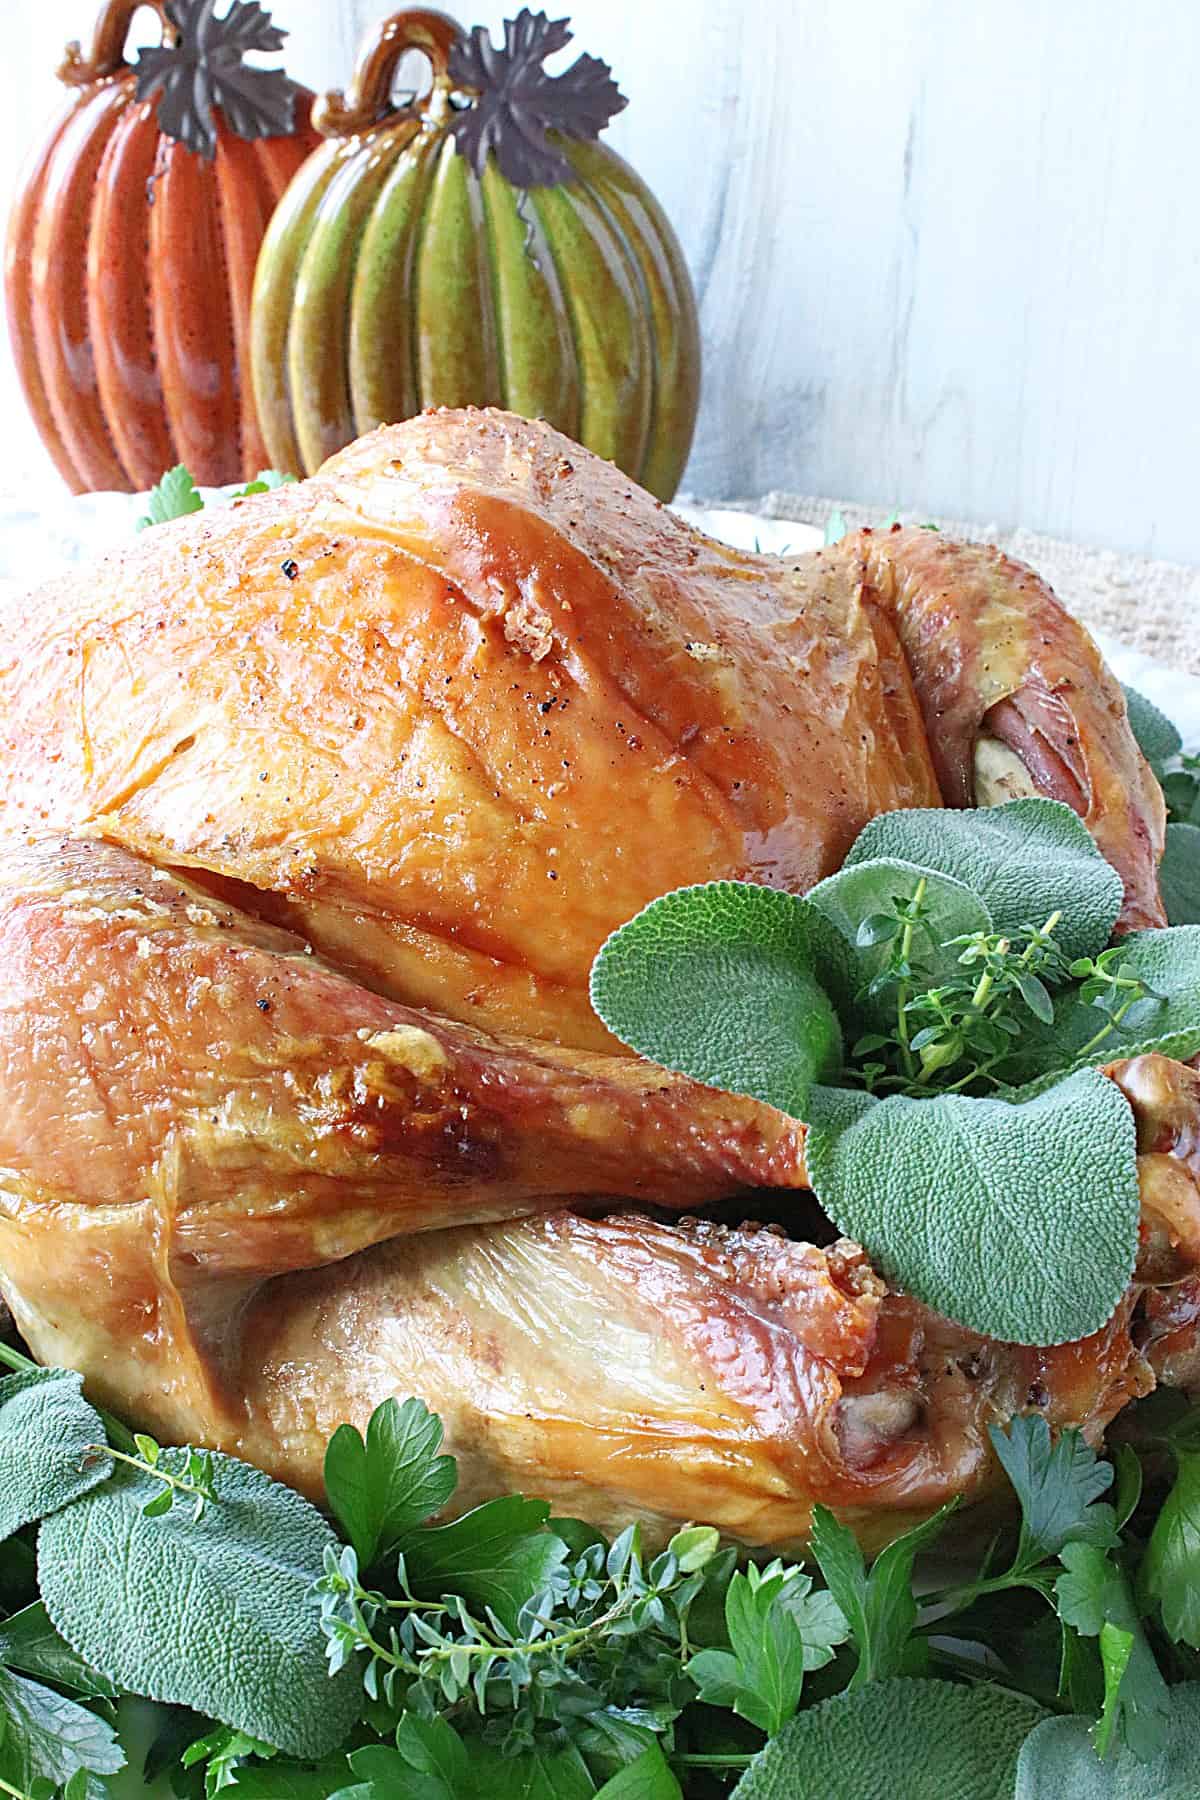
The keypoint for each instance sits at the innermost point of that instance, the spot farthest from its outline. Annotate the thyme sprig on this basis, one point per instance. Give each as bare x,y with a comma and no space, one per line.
958,1036
955,1035
604,1620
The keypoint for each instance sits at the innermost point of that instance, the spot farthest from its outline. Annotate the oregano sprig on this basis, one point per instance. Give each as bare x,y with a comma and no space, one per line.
197,1482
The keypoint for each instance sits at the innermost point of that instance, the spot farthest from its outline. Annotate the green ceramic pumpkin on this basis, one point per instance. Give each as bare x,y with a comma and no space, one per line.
403,267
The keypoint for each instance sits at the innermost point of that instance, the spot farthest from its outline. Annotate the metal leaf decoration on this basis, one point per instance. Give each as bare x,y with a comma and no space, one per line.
205,68
516,103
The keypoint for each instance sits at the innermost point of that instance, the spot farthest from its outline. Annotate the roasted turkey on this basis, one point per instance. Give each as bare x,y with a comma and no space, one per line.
314,811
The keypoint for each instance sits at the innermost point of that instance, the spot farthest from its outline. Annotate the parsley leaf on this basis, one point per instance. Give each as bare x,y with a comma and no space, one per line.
173,497
1170,1573
1058,1481
1093,1596
778,1629
879,1605
648,1777
429,1762
283,1780
944,1192
381,1488
29,1642
1025,860
545,1772
716,981
264,482
46,1737
498,1556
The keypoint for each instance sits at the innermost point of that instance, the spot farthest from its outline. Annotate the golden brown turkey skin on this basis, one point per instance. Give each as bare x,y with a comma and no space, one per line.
335,1121
465,701
994,655
251,1198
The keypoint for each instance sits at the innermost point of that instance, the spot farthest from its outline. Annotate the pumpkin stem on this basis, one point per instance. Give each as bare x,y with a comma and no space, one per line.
368,99
109,36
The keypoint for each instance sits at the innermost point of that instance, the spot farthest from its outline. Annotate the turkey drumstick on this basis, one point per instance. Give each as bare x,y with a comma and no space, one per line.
249,1197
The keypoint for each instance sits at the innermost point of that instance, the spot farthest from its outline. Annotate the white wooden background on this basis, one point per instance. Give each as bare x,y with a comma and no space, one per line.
947,251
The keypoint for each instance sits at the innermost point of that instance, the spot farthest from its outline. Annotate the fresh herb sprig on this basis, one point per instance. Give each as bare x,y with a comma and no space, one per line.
176,495
965,959
955,1034
509,1653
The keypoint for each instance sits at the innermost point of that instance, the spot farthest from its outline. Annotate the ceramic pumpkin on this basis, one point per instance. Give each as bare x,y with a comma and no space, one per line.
132,247
476,246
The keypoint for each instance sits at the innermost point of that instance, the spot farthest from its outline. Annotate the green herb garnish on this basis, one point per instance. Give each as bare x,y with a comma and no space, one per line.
966,958
1178,774
177,495
509,1653
173,497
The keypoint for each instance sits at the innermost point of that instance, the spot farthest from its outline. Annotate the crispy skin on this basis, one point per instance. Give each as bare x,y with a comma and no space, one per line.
252,1198
993,652
465,701
315,812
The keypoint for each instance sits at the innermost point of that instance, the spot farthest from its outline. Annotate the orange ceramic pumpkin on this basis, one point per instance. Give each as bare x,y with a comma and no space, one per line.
132,246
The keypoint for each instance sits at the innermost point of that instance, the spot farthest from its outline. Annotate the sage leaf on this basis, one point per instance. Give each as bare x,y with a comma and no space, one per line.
29,1642
1170,1572
46,1737
1019,1221
1092,1595
858,894
218,1614
1058,1761
1025,860
498,1556
717,982
1169,1022
1157,739
46,1431
381,1487
1181,791
1179,874
904,1739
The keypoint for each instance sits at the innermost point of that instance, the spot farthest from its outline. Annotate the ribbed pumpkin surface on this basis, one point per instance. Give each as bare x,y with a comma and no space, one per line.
392,278
129,272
